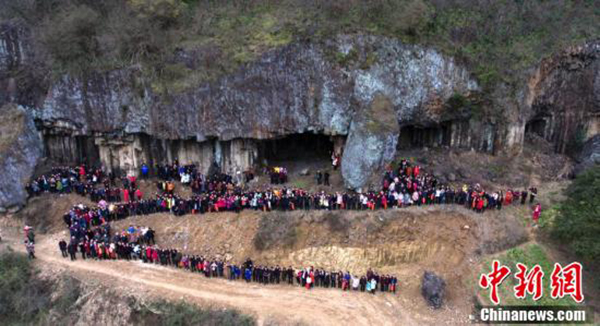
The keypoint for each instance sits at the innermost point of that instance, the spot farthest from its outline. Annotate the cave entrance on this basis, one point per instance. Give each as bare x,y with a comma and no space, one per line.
536,126
297,151
414,136
67,149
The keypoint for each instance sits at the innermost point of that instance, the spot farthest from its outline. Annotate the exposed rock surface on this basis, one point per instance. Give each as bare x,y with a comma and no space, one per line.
22,75
120,119
563,98
371,142
589,155
303,87
20,150
294,89
433,289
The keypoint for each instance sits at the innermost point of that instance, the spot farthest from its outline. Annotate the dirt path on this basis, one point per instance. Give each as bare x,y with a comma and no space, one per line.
285,304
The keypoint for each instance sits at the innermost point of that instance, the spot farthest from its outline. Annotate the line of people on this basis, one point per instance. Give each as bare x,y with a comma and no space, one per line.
89,182
405,186
97,242
130,244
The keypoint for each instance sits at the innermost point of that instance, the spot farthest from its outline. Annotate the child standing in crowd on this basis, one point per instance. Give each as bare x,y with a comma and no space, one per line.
30,247
537,211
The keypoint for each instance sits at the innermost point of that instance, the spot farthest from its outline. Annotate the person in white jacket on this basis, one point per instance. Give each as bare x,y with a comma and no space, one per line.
373,285
355,282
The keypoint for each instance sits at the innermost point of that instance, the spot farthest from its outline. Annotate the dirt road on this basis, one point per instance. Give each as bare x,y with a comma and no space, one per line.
283,304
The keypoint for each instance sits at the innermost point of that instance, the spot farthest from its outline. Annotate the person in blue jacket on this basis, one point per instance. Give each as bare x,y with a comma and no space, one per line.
145,170
248,274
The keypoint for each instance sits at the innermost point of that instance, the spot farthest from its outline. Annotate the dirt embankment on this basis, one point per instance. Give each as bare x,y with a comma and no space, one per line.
341,240
448,240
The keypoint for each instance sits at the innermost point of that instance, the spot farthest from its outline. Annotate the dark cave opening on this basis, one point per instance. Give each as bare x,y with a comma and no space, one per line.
414,136
296,147
536,126
68,149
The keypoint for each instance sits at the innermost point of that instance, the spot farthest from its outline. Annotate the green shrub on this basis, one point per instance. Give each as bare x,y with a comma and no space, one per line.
346,59
24,298
578,221
70,37
182,313
165,13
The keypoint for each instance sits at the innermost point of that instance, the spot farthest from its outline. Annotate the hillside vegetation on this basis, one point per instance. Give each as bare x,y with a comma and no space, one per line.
181,43
28,299
577,219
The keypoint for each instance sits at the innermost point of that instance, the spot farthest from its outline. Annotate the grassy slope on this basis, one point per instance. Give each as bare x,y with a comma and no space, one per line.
498,39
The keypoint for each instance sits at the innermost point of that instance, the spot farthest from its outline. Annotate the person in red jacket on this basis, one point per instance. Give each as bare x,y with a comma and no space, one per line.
537,211
82,172
155,256
479,204
139,194
309,279
126,195
509,197
149,254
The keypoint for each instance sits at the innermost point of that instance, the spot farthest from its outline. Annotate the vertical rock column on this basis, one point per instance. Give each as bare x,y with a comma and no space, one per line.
371,143
20,149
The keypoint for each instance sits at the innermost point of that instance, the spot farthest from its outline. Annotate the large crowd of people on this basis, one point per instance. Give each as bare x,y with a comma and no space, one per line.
91,182
407,185
90,234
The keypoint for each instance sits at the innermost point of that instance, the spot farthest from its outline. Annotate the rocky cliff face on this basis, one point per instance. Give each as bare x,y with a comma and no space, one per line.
22,73
299,88
119,119
371,142
20,150
589,155
562,103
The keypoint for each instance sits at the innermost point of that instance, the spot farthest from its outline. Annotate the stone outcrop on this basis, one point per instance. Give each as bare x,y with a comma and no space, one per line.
295,89
23,77
20,150
119,117
562,103
589,155
371,142
433,289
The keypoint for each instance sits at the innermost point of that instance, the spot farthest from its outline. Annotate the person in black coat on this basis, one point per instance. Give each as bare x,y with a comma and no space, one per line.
62,244
72,248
